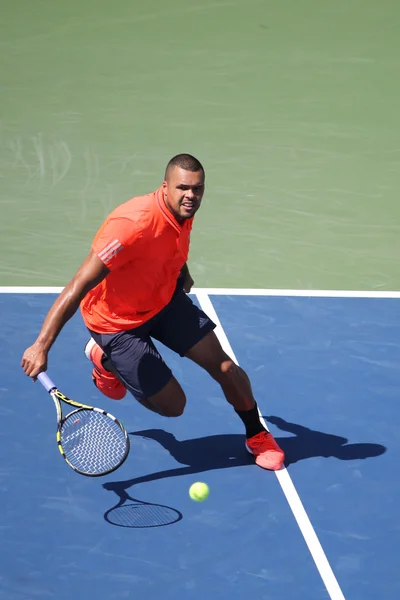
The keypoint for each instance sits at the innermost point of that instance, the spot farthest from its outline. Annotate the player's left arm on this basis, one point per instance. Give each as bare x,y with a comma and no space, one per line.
187,278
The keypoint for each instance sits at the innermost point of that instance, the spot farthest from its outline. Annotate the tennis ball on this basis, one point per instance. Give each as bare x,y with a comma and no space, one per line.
199,491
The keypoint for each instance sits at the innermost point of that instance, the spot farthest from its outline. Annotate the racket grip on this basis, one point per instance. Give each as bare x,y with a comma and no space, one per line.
46,382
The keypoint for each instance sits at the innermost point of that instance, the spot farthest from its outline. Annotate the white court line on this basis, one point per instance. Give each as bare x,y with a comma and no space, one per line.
299,293
284,479
233,292
30,290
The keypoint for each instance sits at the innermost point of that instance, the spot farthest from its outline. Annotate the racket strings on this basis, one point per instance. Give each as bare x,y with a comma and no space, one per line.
93,442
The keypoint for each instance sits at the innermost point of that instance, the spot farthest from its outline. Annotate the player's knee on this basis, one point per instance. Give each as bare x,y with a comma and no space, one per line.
174,412
228,367
171,404
222,370
170,401
176,407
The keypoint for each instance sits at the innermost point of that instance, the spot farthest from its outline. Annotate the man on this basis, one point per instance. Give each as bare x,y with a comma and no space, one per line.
131,288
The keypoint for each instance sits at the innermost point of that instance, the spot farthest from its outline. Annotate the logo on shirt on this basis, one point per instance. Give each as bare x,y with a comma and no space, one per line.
110,251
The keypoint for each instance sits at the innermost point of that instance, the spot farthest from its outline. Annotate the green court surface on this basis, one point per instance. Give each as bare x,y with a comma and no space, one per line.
293,107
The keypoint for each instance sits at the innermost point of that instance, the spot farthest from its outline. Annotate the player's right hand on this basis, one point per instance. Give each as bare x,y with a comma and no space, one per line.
34,360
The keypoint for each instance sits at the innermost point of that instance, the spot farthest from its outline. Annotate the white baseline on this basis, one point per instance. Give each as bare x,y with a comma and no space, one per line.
233,292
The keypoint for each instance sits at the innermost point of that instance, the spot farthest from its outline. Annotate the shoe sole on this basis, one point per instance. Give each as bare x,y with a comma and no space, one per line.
88,348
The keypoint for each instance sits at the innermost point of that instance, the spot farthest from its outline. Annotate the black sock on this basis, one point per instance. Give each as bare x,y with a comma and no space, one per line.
251,421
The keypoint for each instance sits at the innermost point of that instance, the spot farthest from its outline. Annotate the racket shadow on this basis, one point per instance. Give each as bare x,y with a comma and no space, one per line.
136,514
197,456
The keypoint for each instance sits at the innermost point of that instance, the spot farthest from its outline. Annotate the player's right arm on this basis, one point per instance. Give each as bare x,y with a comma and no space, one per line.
91,273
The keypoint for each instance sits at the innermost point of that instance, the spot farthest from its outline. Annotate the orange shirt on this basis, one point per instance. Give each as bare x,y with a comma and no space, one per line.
145,249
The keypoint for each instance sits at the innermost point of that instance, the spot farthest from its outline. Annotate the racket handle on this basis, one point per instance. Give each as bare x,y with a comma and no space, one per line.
46,382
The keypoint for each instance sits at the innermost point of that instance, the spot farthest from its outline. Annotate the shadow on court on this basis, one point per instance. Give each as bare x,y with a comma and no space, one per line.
198,455
308,443
226,451
136,514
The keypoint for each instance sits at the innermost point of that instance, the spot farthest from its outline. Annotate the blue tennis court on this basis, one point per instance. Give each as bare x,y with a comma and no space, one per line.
325,372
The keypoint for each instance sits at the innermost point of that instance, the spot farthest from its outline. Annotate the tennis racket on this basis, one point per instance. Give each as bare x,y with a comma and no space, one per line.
91,441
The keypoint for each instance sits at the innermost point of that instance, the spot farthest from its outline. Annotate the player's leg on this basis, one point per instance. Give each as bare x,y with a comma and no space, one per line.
187,330
209,354
133,362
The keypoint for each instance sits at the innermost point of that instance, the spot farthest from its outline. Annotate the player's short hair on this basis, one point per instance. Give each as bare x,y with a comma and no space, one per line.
186,162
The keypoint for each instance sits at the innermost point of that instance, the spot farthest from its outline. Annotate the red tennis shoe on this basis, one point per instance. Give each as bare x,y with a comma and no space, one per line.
105,381
267,453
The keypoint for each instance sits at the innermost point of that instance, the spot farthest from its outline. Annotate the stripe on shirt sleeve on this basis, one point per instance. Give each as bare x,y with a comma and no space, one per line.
110,251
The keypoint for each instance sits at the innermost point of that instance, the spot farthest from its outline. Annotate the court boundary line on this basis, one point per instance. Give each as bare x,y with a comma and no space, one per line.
234,292
284,479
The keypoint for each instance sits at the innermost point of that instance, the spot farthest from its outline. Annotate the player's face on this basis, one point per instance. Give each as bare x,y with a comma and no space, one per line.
183,191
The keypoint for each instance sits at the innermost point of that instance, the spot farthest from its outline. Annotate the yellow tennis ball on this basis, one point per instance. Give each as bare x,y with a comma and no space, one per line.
199,491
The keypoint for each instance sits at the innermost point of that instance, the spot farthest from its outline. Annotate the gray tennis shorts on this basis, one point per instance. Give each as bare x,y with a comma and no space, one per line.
132,356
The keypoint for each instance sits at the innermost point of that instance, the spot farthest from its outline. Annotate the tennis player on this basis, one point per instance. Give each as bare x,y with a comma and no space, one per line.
132,288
